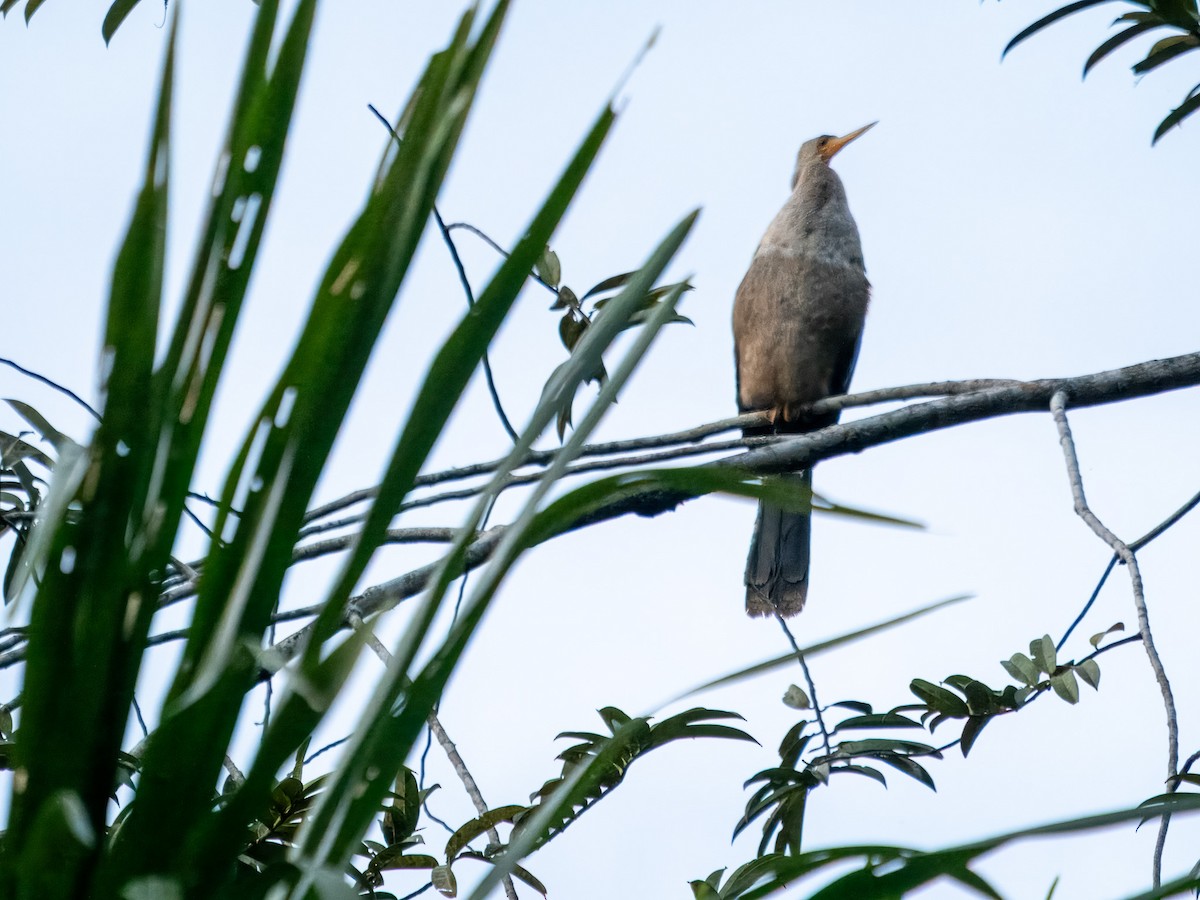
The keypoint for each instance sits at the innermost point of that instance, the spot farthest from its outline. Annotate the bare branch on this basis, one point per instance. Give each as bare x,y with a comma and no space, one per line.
774,455
1058,404
681,438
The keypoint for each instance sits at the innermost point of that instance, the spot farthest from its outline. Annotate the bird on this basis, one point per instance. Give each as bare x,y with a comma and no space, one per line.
798,319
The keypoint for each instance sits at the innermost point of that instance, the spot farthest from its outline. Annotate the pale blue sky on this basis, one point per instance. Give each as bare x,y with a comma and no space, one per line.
1016,223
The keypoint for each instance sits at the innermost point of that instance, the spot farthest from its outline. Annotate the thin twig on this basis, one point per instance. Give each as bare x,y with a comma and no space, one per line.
447,745
681,438
1058,404
466,285
52,384
1137,545
487,363
812,688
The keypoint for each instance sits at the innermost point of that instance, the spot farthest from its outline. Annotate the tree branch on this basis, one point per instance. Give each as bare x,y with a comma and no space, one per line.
775,455
1058,406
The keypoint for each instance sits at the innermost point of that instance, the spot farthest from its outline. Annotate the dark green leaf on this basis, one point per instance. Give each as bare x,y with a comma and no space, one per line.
478,826
1178,114
1166,50
609,284
970,732
909,768
1050,19
878,720
115,16
938,698
1116,41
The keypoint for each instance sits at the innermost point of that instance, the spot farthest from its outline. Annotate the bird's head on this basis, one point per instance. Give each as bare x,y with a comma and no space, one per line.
824,148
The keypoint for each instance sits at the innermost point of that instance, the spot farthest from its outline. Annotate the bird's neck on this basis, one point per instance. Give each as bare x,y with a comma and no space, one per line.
815,220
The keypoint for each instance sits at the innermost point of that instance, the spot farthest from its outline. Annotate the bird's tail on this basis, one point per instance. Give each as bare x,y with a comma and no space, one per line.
777,567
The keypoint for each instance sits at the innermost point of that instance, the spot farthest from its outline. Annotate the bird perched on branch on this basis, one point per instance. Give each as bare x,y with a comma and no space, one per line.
797,324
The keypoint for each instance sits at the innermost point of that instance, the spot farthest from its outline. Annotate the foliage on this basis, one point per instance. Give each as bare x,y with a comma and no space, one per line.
96,523
108,513
1179,17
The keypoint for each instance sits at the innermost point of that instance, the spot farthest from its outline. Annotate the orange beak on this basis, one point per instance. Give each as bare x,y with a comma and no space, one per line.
838,143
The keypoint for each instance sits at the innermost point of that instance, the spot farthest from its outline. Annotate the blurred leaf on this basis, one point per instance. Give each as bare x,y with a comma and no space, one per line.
795,697
13,450
1190,104
789,659
115,16
1117,41
548,267
565,299
32,6
517,872
478,826
608,284
49,433
1166,50
571,329
353,796
1050,19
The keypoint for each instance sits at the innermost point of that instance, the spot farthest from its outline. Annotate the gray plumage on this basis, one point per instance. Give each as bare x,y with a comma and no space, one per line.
797,323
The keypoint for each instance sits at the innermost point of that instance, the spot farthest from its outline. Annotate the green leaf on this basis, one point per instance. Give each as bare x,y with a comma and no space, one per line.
795,697
52,435
1044,655
548,267
97,567
909,767
1096,639
444,882
179,398
115,16
1117,41
812,650
970,732
887,745
873,774
1065,685
878,720
478,826
608,284
1060,13
938,698
518,872
1166,50
352,798
1089,671
31,6
1190,104
1022,668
